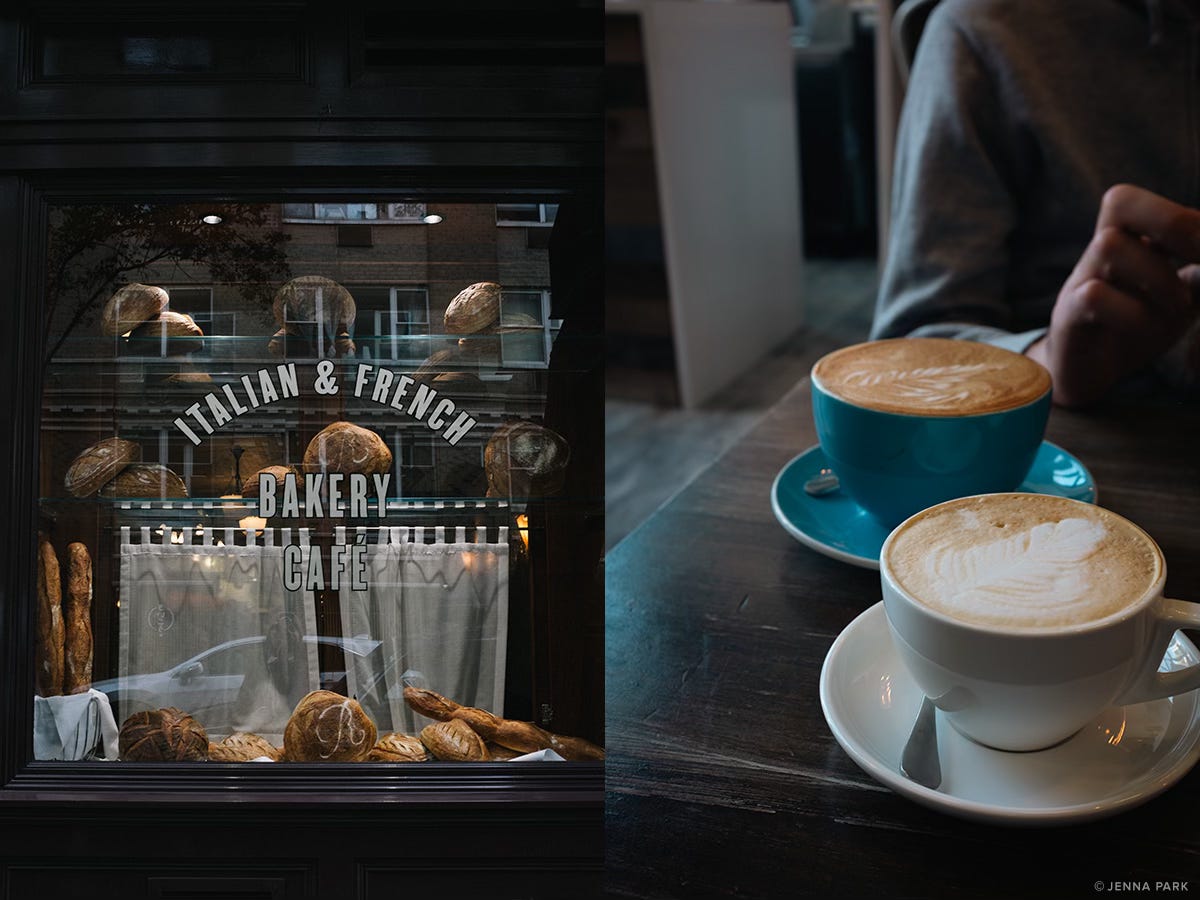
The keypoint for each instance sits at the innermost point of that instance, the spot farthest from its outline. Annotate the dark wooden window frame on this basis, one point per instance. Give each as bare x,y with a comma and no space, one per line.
472,789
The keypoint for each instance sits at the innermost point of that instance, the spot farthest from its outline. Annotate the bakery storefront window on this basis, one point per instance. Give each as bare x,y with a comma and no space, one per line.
294,488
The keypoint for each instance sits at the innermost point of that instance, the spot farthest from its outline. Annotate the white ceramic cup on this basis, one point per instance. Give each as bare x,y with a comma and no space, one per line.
1026,690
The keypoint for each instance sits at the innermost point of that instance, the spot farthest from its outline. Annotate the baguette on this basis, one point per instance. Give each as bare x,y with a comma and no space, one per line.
77,615
48,653
515,735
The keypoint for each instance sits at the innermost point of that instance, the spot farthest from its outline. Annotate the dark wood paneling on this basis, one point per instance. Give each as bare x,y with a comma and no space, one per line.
340,64
316,853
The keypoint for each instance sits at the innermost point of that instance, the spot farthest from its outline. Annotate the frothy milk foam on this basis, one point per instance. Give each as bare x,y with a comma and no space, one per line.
931,377
1023,561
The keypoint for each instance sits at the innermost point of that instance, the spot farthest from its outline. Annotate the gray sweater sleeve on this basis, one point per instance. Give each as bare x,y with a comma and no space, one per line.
954,200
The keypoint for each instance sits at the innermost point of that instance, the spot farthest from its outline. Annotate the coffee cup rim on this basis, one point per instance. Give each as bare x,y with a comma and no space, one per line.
816,382
1128,611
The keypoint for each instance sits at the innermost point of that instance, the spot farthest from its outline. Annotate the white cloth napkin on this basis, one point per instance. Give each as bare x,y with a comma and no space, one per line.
539,756
69,727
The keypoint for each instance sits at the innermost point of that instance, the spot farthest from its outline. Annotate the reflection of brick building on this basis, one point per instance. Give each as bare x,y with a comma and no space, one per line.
403,269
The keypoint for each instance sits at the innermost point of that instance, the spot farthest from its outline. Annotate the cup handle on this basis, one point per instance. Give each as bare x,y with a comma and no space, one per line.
1151,684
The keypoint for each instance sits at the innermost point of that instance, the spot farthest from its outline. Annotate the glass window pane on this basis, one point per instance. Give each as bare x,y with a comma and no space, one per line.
298,211
186,359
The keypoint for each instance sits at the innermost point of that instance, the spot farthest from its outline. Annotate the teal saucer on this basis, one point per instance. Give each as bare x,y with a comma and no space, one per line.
838,527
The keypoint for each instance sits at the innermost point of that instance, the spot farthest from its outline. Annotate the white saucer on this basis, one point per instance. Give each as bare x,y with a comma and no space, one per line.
1124,757
836,526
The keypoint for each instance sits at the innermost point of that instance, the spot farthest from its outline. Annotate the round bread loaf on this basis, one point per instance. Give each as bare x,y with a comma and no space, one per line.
523,459
173,334
396,747
145,480
162,735
250,485
476,309
98,464
345,447
130,306
298,301
327,727
169,324
243,747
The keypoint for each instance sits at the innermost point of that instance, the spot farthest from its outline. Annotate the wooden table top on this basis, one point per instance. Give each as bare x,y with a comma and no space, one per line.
723,778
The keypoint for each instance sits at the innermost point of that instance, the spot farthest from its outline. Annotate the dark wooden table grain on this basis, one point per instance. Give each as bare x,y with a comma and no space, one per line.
723,779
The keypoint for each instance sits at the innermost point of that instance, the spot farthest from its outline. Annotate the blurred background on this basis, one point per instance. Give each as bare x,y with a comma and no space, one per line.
748,160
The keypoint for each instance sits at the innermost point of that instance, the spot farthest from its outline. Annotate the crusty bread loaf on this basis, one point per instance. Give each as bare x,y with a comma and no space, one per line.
297,301
396,747
172,332
77,621
346,448
145,480
98,464
48,653
162,735
476,309
454,741
250,485
130,306
327,727
523,459
243,747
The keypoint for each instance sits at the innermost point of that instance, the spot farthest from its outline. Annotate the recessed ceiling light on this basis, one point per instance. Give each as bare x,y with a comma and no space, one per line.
432,219
211,220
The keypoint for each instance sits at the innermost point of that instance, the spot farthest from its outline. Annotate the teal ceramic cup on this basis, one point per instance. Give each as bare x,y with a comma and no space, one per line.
896,464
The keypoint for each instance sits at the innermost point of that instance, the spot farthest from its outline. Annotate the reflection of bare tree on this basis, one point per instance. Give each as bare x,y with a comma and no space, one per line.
94,249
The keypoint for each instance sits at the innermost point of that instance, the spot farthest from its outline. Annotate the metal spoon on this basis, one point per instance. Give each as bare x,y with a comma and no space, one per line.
824,482
919,761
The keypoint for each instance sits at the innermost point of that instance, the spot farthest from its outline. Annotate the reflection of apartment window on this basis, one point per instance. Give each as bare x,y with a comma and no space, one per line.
338,213
346,211
526,213
401,323
525,329
416,453
406,212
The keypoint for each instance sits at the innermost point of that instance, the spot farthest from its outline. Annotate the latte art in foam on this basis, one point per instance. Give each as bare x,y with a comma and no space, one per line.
935,385
931,376
1023,561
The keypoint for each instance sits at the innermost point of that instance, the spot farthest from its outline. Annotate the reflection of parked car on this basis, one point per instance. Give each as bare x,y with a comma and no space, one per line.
208,684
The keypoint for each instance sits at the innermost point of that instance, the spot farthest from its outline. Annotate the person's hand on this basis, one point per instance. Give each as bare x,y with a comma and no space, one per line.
1127,300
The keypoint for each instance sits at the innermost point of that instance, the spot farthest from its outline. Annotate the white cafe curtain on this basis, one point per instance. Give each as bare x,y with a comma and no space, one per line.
433,615
208,627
